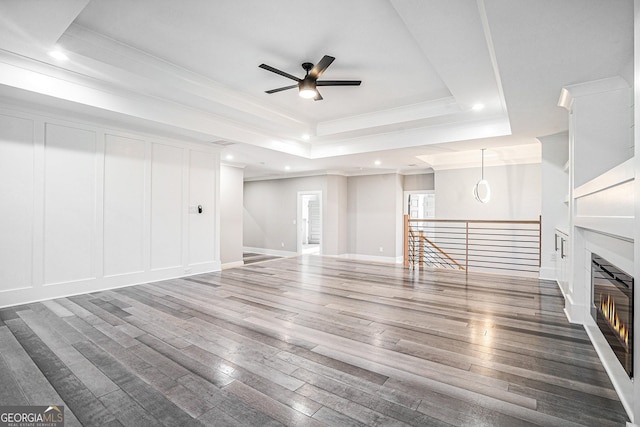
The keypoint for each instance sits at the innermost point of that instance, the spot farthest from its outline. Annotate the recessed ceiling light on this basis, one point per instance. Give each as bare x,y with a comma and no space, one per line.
306,136
377,163
59,55
287,168
229,157
477,107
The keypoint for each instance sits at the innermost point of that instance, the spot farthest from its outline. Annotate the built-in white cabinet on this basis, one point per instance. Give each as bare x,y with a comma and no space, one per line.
601,206
554,203
600,140
600,130
561,245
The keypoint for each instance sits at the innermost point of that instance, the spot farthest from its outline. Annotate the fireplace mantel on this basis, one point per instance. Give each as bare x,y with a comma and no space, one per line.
606,203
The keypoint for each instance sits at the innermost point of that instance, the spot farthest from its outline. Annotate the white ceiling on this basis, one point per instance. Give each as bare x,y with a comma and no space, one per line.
190,69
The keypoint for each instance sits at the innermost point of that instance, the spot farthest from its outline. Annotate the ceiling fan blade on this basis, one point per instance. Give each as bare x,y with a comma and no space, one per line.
318,97
338,82
280,89
324,63
275,70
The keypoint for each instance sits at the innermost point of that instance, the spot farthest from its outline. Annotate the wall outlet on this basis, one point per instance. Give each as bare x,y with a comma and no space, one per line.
381,249
553,256
282,244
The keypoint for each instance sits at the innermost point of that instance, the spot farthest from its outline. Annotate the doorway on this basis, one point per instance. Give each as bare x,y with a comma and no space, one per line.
309,222
420,204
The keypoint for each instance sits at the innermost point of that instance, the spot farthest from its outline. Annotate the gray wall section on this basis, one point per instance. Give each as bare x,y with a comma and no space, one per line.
270,209
231,200
362,214
515,193
419,182
375,215
335,226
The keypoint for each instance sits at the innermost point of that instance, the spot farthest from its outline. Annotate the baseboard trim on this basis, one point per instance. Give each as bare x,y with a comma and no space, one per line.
547,273
272,252
373,258
574,312
232,264
46,292
621,383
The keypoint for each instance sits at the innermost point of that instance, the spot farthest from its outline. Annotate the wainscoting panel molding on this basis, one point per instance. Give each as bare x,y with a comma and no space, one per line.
89,207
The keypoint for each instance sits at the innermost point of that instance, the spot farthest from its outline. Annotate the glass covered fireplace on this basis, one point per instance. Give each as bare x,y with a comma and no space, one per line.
613,308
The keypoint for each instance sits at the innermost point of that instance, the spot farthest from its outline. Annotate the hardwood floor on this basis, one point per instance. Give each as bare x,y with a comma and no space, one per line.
309,341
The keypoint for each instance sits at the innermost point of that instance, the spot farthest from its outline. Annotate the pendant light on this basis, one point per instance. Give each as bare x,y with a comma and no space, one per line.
482,191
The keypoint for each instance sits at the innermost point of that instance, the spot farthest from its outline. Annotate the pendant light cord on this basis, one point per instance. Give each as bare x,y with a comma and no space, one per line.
487,190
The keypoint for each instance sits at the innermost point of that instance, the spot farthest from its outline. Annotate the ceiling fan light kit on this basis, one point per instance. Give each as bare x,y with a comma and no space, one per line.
307,90
307,86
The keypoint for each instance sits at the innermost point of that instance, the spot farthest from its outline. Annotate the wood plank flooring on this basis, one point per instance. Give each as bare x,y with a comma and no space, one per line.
309,341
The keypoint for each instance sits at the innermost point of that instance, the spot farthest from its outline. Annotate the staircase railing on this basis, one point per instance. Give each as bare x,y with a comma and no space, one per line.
506,246
429,253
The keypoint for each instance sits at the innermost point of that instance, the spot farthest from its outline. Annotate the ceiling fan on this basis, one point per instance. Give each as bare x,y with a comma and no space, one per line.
307,86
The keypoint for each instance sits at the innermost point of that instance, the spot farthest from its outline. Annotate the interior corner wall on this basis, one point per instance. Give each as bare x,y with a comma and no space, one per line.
555,188
375,217
270,212
336,216
231,209
515,193
89,208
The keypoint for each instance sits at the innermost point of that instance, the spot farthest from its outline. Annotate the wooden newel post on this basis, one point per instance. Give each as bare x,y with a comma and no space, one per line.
421,248
540,242
466,250
406,241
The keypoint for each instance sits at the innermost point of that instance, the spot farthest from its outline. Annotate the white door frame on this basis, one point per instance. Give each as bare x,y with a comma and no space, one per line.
405,199
299,229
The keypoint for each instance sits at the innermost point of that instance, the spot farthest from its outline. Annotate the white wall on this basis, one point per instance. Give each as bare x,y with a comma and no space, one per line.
515,193
231,208
602,128
555,188
89,208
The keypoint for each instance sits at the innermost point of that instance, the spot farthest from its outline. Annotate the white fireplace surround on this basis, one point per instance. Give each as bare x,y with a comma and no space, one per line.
620,253
602,223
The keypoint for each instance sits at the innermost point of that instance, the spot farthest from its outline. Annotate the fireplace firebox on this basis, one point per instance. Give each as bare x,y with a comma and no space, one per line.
613,308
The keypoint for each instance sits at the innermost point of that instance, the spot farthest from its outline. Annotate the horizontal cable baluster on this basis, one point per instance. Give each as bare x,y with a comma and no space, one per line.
482,245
